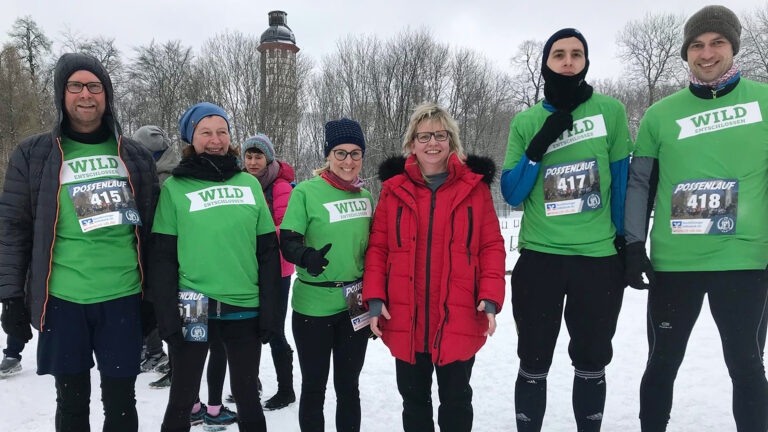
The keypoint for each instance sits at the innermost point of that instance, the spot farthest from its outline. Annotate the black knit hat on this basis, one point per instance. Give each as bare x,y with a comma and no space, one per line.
716,19
563,34
344,131
70,63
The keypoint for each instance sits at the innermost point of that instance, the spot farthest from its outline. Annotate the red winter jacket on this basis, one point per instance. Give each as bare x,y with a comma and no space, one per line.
431,272
281,192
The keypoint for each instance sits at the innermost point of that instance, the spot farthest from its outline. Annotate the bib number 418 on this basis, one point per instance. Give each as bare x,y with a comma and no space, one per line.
703,201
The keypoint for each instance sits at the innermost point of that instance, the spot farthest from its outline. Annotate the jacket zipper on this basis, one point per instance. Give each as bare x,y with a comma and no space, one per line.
439,337
429,259
53,239
135,227
397,224
469,235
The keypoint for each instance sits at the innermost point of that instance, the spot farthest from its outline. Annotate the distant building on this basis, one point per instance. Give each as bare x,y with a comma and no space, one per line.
279,113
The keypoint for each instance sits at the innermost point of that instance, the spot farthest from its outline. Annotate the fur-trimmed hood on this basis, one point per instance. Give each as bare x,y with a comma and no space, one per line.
482,165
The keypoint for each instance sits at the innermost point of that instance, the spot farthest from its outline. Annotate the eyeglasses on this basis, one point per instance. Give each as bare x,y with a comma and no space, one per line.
424,137
77,87
340,154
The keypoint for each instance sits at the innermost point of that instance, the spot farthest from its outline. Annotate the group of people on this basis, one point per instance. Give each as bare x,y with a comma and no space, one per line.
207,261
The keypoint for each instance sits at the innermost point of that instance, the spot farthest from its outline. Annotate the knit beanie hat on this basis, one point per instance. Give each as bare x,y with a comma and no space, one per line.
715,19
152,138
261,143
563,34
344,131
189,120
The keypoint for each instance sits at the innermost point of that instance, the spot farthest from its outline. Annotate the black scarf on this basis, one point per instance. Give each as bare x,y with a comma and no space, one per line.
98,136
565,93
209,167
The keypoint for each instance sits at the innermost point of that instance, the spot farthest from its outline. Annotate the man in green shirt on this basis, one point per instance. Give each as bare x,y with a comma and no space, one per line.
566,162
75,214
701,156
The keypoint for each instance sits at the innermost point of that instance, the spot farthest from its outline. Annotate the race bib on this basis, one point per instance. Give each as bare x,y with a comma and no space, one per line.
704,207
572,187
193,308
353,294
103,203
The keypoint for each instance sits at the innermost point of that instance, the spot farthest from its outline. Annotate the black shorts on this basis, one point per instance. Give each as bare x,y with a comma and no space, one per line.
589,289
74,332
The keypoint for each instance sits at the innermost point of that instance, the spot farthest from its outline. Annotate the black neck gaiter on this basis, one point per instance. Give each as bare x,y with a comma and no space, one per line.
563,92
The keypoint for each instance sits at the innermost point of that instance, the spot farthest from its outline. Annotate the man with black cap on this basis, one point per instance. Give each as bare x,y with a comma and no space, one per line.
75,213
566,162
701,154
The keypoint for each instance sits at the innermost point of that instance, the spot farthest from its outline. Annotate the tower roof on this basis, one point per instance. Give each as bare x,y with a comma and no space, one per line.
278,30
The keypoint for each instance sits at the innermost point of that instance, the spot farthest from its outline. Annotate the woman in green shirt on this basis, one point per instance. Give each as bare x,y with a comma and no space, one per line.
325,233
215,260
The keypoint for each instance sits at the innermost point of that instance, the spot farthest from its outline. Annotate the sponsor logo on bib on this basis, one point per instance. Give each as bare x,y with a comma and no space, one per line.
348,209
87,168
720,118
219,196
583,129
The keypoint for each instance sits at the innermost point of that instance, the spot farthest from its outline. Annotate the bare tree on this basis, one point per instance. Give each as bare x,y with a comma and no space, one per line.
157,79
528,84
650,47
754,44
229,66
33,46
17,105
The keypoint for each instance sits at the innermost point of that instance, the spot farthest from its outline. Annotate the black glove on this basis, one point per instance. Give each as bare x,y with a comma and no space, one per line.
636,263
314,260
553,127
620,244
15,319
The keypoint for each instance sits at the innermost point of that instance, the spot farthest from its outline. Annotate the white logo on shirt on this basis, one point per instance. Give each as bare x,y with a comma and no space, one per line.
720,118
348,209
91,167
220,195
583,129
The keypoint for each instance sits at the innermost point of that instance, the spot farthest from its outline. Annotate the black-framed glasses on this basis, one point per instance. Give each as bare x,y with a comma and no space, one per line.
340,154
93,87
424,137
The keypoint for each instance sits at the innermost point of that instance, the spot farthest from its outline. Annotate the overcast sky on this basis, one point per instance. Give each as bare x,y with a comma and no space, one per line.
495,28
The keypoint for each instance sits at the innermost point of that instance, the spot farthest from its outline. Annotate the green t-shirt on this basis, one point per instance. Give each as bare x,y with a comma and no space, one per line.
95,256
713,179
217,225
324,214
568,211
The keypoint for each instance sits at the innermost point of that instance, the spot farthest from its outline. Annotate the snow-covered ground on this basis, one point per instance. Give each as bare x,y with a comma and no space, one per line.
702,398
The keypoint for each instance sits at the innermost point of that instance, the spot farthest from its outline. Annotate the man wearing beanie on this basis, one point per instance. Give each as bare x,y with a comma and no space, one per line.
701,157
566,163
75,215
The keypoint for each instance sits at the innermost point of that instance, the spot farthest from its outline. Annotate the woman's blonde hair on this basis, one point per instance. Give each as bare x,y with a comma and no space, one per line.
322,169
431,111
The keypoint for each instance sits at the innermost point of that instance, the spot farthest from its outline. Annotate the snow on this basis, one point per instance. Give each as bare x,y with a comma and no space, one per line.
702,398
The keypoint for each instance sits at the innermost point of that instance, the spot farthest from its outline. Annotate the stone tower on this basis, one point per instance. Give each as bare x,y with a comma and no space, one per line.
279,111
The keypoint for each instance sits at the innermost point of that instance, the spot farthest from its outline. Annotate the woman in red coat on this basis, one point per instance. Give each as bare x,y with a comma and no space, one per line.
434,268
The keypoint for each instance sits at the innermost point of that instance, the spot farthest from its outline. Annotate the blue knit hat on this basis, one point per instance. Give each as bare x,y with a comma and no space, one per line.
189,120
563,34
344,131
261,143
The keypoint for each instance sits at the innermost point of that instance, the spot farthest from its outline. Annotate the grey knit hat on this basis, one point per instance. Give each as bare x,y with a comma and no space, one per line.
716,19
